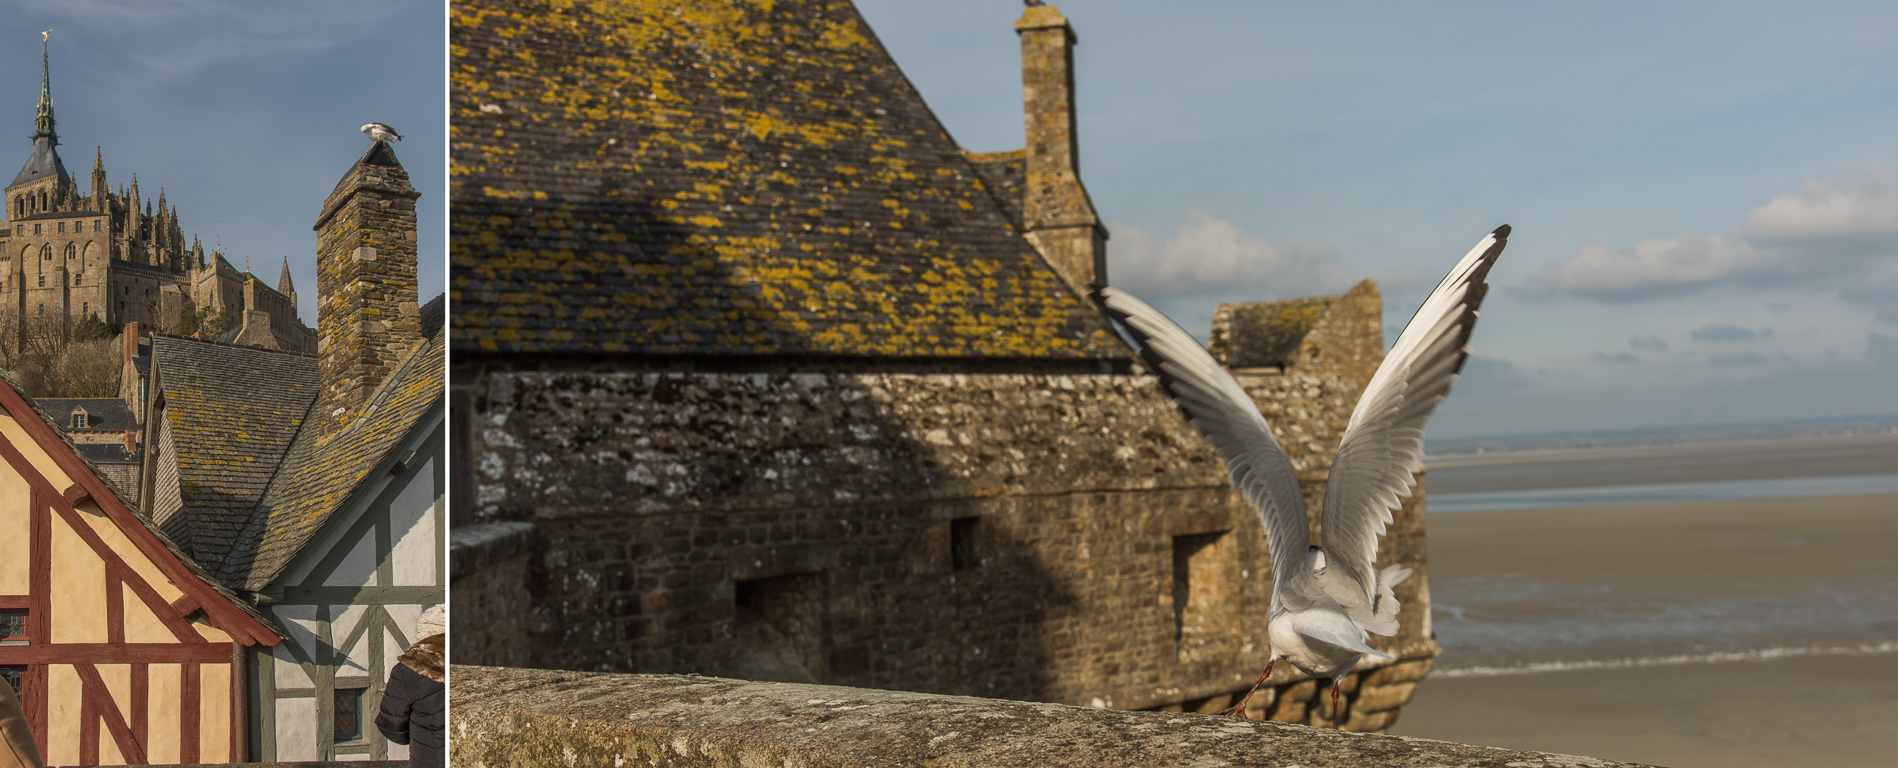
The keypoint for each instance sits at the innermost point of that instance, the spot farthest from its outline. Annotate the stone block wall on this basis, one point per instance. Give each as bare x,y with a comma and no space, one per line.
1047,537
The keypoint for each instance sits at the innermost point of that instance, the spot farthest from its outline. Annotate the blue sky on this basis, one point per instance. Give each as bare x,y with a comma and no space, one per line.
245,113
1704,195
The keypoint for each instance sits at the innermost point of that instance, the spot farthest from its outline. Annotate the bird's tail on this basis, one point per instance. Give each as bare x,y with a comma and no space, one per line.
1384,604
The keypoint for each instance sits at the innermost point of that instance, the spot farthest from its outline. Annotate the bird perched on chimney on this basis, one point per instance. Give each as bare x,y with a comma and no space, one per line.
1326,600
1033,3
381,132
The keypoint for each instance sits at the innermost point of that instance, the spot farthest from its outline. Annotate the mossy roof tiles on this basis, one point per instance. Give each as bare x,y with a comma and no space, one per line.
1267,333
319,477
229,433
728,177
260,496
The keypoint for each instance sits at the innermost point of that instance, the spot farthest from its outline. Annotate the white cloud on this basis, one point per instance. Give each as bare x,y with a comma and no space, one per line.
1828,228
1213,258
1859,211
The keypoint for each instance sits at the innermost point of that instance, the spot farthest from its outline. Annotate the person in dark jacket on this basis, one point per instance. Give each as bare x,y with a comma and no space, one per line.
416,697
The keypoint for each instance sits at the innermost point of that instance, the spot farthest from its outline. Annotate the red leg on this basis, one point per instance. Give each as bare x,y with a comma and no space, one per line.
1239,710
1334,704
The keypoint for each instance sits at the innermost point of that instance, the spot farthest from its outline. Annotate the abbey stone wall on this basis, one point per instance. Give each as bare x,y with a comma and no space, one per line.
1062,538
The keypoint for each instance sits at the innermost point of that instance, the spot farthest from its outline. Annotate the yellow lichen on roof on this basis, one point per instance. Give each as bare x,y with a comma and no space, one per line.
725,177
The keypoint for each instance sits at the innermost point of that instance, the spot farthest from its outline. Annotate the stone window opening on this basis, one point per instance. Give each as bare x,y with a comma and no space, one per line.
46,251
778,629
72,251
95,225
60,227
1205,596
347,718
965,543
42,285
36,228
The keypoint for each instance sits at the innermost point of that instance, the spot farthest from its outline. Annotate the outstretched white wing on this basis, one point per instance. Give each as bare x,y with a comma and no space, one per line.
1227,417
1383,446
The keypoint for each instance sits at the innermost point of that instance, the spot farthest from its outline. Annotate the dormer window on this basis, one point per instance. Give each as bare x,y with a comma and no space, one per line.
80,419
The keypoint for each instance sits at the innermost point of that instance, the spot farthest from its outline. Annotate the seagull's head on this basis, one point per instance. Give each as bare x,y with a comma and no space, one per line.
368,128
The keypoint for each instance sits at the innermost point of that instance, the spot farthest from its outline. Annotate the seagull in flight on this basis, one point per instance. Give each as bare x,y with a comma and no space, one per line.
1326,600
381,132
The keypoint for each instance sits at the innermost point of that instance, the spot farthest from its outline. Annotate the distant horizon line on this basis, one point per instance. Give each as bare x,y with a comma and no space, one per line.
1663,434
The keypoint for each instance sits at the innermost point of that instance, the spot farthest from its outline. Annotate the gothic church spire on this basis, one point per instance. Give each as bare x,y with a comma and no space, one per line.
43,123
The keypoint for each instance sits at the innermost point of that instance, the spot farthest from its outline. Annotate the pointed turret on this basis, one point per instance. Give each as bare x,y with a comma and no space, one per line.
44,162
285,287
98,189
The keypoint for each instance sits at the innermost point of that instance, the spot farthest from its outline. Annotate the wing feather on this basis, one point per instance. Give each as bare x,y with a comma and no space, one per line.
1227,417
1383,445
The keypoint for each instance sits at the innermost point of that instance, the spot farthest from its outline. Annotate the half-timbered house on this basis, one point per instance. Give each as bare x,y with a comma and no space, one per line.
125,651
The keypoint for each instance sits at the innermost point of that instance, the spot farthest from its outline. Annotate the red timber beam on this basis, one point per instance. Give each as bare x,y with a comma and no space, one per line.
217,608
96,706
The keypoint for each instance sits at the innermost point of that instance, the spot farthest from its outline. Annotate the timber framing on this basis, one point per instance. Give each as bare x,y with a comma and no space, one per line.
122,633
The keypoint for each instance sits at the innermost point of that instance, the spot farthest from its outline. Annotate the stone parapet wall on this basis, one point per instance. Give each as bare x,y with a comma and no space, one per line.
509,717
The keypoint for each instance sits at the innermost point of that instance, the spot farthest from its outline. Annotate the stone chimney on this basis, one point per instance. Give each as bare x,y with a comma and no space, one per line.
367,318
128,341
1058,218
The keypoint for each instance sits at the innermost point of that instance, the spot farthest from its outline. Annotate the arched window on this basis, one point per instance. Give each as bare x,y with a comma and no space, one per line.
42,199
19,205
46,252
71,250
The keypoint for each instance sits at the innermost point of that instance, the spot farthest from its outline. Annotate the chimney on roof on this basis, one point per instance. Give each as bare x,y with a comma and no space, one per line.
367,318
128,341
131,441
1058,218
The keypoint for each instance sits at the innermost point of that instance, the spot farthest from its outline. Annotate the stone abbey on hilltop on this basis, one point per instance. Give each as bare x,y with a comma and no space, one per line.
113,257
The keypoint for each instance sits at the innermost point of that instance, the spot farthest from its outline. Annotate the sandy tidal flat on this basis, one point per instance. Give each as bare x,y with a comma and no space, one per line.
1675,582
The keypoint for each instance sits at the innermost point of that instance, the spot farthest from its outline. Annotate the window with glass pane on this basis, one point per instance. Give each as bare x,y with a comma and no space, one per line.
16,677
348,714
12,625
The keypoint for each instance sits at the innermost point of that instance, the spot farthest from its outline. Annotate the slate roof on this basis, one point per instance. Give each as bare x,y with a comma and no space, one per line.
725,178
102,413
318,478
111,453
230,434
1005,174
42,163
263,501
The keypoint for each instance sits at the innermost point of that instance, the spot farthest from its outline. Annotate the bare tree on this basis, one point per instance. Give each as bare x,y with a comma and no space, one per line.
52,360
